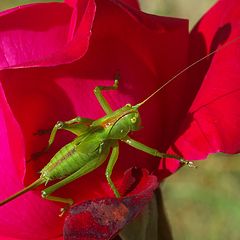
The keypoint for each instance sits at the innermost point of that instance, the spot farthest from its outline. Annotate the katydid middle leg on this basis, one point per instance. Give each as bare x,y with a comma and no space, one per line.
155,152
112,160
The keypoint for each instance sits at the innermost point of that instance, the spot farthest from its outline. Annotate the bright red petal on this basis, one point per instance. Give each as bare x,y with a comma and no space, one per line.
61,36
213,121
17,217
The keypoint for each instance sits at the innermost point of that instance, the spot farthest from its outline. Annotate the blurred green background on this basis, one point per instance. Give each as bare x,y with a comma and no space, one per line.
190,9
200,203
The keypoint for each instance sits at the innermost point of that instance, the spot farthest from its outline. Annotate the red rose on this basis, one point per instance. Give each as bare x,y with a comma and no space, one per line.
50,66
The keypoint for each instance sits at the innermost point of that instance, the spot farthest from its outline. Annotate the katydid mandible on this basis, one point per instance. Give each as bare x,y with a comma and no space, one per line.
94,141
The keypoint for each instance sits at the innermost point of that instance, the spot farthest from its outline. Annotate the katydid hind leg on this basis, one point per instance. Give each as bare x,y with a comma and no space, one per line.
101,99
155,152
87,168
32,186
112,160
68,202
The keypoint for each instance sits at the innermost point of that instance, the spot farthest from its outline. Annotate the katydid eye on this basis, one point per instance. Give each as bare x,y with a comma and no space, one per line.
133,120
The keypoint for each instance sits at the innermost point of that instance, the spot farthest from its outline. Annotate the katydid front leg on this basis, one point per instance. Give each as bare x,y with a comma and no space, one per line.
112,160
155,152
101,99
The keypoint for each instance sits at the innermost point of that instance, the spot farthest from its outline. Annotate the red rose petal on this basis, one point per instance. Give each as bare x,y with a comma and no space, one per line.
214,117
17,217
61,36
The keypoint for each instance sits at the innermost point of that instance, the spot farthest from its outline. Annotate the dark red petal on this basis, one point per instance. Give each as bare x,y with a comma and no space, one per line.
61,36
103,218
213,121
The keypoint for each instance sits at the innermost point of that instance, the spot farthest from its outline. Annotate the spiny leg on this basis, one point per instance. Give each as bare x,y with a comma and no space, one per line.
112,160
66,125
76,126
155,152
71,126
88,167
68,201
101,99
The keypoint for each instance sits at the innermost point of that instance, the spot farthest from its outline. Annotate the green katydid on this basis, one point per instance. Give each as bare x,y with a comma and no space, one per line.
95,139
91,147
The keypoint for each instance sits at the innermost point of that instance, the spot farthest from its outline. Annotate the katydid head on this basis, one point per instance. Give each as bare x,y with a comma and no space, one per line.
127,122
133,120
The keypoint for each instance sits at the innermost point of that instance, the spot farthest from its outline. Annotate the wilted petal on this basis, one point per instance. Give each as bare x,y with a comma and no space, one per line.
103,218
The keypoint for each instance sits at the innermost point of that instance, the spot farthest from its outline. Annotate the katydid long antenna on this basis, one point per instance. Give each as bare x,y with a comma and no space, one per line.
184,70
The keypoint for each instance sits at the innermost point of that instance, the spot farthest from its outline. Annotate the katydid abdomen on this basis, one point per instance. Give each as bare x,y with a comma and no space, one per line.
68,160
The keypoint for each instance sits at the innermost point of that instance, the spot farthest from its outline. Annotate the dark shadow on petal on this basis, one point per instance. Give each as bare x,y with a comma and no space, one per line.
221,36
131,179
